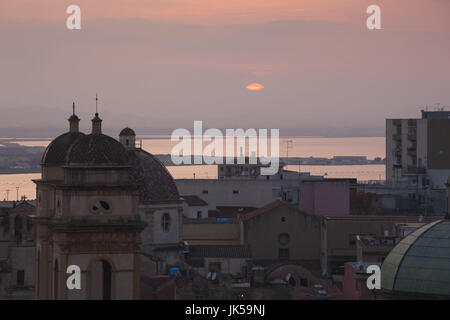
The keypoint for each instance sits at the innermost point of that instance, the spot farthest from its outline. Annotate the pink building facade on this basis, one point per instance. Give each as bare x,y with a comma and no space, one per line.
330,197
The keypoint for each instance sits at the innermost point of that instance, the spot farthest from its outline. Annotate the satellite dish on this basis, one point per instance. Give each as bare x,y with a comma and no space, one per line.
214,276
208,276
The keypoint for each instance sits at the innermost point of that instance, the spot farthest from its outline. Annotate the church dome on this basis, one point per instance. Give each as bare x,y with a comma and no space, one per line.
127,132
97,150
420,264
55,153
154,180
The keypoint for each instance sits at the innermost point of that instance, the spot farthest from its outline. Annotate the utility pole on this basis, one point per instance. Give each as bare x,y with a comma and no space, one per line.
288,145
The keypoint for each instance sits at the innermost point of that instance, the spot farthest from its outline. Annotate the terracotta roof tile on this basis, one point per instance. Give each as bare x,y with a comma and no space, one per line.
264,209
194,201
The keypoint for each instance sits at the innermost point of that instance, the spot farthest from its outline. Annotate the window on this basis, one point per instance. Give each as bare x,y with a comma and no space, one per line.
283,253
18,229
55,281
283,219
29,224
284,239
165,222
205,191
100,206
127,142
235,191
107,280
199,214
104,205
38,264
20,277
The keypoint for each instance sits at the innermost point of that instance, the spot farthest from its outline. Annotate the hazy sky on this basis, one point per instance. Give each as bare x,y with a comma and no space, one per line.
165,63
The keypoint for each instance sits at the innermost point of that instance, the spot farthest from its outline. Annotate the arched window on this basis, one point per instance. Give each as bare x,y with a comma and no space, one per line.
100,279
165,222
55,281
107,280
29,224
38,270
18,228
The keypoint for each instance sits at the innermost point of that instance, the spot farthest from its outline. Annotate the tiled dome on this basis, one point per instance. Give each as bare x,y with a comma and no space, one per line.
154,180
97,150
127,132
420,263
56,151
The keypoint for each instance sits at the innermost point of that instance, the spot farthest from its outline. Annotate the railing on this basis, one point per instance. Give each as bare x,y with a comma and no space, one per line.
417,170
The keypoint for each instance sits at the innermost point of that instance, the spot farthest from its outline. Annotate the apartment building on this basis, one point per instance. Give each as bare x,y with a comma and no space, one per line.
418,150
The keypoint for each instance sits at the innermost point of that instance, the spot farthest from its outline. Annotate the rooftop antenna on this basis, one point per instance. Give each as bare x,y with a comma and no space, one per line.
73,108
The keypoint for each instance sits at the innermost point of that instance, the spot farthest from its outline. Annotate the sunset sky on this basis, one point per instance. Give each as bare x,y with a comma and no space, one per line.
165,63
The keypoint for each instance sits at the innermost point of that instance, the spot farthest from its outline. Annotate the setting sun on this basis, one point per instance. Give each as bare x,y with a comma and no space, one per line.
255,86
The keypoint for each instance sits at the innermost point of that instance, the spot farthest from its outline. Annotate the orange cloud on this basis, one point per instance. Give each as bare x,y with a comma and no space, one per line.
255,87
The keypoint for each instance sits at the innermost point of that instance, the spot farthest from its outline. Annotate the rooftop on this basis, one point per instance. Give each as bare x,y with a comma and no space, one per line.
230,211
194,201
219,251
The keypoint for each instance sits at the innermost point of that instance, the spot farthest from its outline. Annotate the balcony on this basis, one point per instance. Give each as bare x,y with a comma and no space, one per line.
397,137
416,170
412,137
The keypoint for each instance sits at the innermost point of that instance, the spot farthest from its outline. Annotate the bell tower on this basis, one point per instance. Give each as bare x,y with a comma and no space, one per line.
88,218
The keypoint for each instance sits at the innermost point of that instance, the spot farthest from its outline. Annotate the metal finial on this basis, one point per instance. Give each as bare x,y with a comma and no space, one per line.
96,105
73,108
